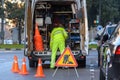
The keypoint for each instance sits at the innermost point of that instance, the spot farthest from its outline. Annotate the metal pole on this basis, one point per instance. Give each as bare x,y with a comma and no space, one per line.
19,31
55,72
76,72
99,11
2,23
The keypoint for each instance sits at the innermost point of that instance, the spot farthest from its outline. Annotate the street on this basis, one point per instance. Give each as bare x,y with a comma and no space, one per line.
91,72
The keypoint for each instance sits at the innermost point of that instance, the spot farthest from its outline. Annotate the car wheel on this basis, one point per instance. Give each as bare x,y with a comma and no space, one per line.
81,63
31,63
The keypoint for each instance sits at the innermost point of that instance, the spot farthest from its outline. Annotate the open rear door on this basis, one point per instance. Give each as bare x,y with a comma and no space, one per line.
82,15
27,28
86,27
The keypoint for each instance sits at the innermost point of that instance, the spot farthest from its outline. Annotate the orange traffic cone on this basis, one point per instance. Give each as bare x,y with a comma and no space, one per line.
38,41
24,68
39,72
15,66
36,29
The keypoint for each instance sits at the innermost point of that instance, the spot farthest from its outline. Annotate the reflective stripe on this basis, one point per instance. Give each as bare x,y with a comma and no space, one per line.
57,32
39,65
15,61
23,63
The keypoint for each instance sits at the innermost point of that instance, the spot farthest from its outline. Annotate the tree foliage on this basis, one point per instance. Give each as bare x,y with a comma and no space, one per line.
110,11
14,11
1,10
92,10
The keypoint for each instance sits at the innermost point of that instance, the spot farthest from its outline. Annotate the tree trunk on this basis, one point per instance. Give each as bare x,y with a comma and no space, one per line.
19,31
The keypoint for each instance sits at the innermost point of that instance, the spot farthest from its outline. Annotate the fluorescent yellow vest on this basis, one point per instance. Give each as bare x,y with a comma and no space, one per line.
58,34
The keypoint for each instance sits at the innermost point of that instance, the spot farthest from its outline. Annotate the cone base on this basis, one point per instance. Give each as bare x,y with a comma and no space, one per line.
24,73
40,75
15,71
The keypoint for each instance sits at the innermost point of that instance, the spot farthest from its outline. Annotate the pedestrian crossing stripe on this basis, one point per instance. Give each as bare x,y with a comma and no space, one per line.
66,59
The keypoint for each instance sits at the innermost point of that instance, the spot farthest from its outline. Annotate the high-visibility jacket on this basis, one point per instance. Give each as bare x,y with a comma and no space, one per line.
58,34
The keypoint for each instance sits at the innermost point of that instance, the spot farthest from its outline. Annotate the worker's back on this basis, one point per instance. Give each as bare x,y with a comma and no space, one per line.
58,34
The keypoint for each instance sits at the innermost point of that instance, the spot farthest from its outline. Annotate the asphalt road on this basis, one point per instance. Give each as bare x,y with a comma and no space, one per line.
91,72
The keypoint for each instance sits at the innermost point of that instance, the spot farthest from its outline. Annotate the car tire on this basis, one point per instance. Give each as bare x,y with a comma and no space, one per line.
31,63
81,63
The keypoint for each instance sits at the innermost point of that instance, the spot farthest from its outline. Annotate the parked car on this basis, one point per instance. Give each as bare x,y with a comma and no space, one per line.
110,56
107,32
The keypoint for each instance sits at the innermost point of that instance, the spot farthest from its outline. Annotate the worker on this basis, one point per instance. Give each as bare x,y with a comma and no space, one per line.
57,41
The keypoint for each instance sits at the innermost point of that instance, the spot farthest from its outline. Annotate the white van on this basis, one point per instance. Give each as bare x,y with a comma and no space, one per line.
72,14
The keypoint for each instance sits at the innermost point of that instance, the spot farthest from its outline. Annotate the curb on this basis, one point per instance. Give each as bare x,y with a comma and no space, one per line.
92,49
14,49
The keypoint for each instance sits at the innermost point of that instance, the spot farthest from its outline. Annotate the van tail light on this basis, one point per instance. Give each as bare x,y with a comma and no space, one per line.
117,52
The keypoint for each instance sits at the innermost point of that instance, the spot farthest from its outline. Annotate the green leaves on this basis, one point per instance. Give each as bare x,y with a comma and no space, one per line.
1,10
110,10
14,10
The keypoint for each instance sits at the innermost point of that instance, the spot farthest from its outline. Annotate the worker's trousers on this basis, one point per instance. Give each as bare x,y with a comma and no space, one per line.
56,45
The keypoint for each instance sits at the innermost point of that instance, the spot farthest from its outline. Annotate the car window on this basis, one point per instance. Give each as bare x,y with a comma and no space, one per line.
116,34
116,42
110,30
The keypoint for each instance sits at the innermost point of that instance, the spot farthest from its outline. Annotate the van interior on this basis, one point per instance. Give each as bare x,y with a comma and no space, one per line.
48,13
